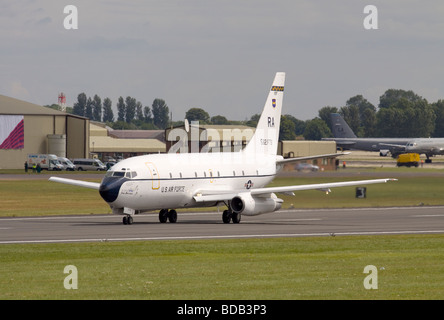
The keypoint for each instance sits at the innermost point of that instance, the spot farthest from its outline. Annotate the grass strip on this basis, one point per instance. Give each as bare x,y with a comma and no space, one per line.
408,267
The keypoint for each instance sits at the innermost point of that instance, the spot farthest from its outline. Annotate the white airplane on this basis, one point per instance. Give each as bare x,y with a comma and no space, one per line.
166,182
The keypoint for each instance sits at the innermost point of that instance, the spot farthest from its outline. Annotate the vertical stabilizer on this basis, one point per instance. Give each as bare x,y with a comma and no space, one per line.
340,128
265,138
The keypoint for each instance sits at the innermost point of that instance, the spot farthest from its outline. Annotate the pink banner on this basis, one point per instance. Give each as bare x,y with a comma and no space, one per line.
11,132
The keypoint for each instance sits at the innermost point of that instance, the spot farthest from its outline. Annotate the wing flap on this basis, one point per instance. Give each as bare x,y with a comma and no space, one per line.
79,183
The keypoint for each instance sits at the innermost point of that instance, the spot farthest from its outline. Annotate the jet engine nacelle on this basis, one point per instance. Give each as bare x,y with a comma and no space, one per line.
246,204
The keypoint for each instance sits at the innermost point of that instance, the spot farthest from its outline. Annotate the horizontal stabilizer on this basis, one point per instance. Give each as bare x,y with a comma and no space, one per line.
79,183
288,160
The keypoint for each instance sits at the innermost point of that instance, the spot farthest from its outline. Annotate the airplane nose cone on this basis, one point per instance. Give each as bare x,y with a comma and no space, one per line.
110,187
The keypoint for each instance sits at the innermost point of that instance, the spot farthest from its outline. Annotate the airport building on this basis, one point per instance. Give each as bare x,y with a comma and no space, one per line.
207,138
106,143
30,128
229,138
27,128
304,148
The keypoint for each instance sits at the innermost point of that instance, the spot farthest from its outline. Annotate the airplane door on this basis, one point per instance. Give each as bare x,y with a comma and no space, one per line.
154,175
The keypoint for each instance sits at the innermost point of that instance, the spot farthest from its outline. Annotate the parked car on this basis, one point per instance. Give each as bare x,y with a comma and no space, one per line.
306,166
67,164
89,164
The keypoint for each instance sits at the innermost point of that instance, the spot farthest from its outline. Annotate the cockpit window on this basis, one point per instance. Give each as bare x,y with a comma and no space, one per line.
119,174
126,174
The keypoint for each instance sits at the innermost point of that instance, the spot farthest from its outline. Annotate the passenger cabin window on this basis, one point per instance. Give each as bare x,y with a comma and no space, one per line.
195,174
234,173
171,176
180,175
243,173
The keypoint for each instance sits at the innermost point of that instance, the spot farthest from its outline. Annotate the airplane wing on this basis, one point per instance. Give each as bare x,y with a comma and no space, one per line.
79,183
289,160
437,150
340,142
399,146
211,196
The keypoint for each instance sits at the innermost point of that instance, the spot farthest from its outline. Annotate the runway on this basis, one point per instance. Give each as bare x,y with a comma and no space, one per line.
208,225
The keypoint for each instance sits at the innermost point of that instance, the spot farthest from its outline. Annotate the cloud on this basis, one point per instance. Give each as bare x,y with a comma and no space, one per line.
221,55
44,21
16,89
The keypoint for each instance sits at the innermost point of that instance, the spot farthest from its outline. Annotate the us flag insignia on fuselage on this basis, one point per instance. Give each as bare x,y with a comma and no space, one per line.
277,88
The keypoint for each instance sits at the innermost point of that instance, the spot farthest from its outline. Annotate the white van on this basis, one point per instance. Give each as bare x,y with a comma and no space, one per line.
67,164
45,161
89,164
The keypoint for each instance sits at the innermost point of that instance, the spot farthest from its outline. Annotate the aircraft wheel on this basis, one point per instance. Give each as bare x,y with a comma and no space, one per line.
226,216
127,220
172,216
236,217
163,215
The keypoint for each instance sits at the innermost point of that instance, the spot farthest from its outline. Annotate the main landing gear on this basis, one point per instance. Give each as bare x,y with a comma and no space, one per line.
170,215
127,219
229,215
164,216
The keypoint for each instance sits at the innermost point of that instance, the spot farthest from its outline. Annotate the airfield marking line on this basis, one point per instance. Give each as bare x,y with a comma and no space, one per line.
229,236
99,216
284,220
104,216
427,215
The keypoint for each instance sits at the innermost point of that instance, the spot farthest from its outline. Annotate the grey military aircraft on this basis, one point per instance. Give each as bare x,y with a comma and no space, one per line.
346,139
428,146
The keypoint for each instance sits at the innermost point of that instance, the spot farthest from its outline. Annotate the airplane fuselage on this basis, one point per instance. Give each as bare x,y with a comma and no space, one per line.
430,146
371,144
161,181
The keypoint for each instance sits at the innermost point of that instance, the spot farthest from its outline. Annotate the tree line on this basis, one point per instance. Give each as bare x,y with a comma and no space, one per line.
400,113
131,114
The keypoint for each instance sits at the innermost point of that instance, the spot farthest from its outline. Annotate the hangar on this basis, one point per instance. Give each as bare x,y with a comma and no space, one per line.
106,143
208,138
30,128
303,148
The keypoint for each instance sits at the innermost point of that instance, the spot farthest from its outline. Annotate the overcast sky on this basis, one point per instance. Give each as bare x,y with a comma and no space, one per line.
221,55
